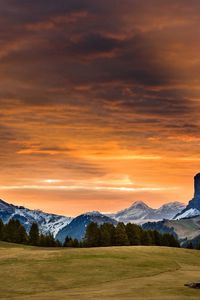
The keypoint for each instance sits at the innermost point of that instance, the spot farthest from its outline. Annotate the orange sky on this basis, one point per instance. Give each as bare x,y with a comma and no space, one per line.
99,103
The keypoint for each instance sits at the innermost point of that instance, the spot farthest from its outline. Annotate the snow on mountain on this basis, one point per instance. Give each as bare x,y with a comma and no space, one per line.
169,210
192,212
77,227
137,211
140,213
48,223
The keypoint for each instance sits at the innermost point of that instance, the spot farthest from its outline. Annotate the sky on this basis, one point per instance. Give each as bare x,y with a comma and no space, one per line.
99,103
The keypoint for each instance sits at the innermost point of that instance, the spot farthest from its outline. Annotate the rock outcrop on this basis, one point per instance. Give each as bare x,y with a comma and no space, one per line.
194,285
194,204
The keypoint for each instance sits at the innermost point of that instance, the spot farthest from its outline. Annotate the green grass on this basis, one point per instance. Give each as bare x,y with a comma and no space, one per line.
100,273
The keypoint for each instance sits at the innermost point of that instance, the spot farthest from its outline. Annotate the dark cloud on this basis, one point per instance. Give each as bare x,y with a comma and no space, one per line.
76,64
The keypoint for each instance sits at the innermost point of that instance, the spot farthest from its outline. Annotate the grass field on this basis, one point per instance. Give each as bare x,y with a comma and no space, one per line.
100,273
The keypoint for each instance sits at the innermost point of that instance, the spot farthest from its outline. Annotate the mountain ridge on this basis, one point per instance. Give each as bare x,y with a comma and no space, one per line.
47,222
139,212
77,227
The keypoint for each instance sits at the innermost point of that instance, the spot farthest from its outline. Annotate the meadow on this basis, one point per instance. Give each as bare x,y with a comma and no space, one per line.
98,273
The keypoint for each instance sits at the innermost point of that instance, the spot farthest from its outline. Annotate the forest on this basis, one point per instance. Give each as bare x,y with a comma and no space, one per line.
103,235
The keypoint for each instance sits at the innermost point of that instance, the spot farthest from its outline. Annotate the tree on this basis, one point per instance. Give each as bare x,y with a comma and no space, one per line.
169,240
75,243
22,235
189,245
121,238
92,236
134,234
10,233
157,238
107,231
146,238
173,242
1,230
34,236
42,240
67,241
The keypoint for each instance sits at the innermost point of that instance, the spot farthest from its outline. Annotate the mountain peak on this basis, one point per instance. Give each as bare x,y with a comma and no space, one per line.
195,202
92,213
139,204
139,212
173,204
197,186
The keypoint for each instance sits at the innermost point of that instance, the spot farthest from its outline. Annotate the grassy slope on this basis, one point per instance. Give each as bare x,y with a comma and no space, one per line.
102,273
185,227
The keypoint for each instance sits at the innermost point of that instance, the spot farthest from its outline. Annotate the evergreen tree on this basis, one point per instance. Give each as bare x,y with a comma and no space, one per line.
70,243
10,233
121,238
42,240
157,238
107,231
189,245
34,237
75,243
1,230
66,242
47,241
134,233
92,236
146,238
22,237
173,242
58,243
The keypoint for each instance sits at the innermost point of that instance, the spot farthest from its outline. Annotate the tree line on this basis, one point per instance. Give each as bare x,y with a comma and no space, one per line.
125,235
103,235
14,232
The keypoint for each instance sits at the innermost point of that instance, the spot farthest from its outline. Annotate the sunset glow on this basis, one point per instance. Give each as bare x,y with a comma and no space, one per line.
99,103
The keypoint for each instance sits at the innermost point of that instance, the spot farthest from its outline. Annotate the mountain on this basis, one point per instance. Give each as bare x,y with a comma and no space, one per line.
186,224
184,229
47,222
193,207
190,213
140,213
77,228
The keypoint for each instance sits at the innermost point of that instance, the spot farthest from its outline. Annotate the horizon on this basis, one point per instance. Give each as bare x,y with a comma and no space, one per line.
92,211
99,103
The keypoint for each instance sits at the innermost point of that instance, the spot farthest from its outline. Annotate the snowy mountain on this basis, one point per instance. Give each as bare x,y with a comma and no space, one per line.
137,211
77,227
169,210
190,213
140,213
47,222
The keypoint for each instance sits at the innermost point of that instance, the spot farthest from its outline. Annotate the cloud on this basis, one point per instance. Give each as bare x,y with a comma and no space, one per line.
96,87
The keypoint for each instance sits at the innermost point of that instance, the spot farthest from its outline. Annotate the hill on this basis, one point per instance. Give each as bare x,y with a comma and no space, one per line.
77,228
184,229
150,273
